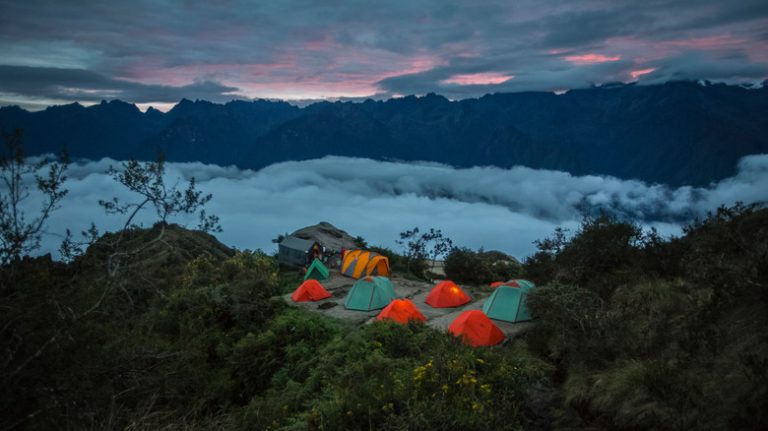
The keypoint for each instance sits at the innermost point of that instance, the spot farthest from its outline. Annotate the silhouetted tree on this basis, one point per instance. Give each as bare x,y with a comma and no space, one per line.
418,248
20,233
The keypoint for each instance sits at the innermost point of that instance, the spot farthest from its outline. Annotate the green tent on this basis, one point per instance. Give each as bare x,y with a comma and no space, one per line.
370,293
317,271
508,304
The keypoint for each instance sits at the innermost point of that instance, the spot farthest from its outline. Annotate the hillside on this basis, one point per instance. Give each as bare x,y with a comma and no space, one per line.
675,133
630,332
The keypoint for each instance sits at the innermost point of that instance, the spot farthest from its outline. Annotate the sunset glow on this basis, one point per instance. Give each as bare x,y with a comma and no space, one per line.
478,79
591,58
640,72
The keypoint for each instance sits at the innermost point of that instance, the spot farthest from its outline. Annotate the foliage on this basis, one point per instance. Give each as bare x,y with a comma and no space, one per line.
651,334
147,180
430,245
20,233
631,332
171,356
360,242
389,376
480,268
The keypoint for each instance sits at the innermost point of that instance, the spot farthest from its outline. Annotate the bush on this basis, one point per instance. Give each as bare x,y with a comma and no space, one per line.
469,267
649,334
389,376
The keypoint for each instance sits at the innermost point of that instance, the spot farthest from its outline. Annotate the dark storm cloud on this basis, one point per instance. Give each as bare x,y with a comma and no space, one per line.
88,86
583,28
693,65
156,51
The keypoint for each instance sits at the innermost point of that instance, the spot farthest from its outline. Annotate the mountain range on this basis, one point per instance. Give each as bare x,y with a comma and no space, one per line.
675,133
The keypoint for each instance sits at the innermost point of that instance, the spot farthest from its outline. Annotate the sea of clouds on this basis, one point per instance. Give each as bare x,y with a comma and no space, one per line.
494,208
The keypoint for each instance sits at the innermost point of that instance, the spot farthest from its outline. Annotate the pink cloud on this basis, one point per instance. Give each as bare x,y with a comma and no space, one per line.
482,78
353,74
591,59
640,72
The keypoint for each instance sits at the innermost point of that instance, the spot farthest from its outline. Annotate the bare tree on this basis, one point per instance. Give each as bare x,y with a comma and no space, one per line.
418,248
20,234
148,182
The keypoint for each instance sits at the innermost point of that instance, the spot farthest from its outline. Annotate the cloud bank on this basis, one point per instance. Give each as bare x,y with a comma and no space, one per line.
503,209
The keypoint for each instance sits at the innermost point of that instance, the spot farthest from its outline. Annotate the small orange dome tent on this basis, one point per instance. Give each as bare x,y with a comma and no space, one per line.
310,290
401,311
476,329
447,294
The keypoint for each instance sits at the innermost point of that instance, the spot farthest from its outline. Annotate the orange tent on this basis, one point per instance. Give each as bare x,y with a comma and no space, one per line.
361,263
401,311
447,294
310,290
496,284
476,329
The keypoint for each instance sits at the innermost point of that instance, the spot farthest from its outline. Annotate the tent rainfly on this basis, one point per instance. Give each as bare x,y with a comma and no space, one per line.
518,282
476,329
310,290
317,271
370,293
401,311
361,263
447,294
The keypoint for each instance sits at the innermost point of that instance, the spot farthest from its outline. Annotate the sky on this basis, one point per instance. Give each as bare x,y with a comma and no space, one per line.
493,208
157,52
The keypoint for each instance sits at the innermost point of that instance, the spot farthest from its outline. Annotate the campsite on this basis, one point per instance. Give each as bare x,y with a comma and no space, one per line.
198,335
362,285
305,215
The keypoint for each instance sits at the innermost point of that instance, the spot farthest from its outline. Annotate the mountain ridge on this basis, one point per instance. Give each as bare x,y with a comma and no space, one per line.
678,133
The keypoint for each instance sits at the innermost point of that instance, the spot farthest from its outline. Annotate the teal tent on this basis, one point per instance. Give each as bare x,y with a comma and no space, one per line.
508,304
317,271
370,293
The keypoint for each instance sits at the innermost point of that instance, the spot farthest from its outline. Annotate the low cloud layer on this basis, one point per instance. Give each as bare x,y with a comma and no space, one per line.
146,51
504,209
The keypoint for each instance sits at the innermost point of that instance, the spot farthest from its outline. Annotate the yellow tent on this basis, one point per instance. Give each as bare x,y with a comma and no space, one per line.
361,263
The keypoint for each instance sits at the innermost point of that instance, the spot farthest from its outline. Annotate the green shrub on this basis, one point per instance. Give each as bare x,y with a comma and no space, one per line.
651,334
479,268
389,376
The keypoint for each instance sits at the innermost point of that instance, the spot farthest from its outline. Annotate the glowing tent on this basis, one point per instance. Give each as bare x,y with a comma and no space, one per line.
447,294
317,271
370,293
401,311
508,303
310,290
361,263
476,329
